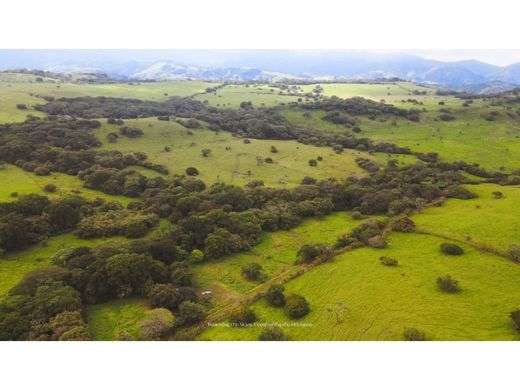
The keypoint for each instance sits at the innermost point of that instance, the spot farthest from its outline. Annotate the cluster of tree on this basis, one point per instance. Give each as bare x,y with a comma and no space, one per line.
33,218
64,145
359,106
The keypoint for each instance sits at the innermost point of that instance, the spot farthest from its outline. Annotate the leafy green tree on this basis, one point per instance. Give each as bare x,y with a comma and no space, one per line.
272,334
296,306
191,313
251,271
275,295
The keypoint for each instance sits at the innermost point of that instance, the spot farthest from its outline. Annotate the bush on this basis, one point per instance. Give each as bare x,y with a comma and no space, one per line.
272,334
448,284
514,252
403,224
451,249
377,242
131,132
296,306
50,188
242,316
275,296
192,171
515,316
251,271
274,149
21,106
169,296
388,261
313,163
412,334
497,194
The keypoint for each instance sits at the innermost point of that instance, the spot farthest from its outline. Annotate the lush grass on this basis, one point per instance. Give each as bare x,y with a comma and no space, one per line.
393,93
235,166
14,265
259,95
107,320
472,138
382,301
15,179
16,88
276,253
483,221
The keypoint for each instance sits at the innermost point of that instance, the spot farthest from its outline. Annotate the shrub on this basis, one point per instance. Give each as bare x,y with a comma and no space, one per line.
251,271
247,141
388,261
242,316
156,324
403,224
377,242
78,333
412,334
296,306
451,249
313,163
514,252
21,106
192,171
272,334
515,316
448,284
275,296
50,187
497,194
274,149
131,132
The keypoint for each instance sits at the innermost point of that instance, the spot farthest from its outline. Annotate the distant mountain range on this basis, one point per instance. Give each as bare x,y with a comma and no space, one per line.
267,65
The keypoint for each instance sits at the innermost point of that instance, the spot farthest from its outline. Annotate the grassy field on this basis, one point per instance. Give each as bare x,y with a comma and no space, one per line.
20,88
14,265
233,95
15,179
393,93
107,320
276,253
484,221
238,165
383,301
472,138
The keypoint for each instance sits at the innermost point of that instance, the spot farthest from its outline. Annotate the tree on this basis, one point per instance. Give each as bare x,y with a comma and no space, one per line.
192,171
242,316
205,152
313,163
191,313
339,309
296,306
412,334
451,249
77,333
272,334
388,261
514,252
274,149
156,324
128,272
275,296
164,295
197,256
65,321
515,316
251,271
448,284
50,187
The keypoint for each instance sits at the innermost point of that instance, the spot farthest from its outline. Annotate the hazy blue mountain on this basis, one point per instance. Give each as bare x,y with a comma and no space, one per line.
263,65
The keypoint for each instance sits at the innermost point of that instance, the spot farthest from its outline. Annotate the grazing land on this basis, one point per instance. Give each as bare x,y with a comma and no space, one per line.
189,205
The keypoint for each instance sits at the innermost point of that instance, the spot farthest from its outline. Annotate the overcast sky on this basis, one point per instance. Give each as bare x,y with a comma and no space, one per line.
495,57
